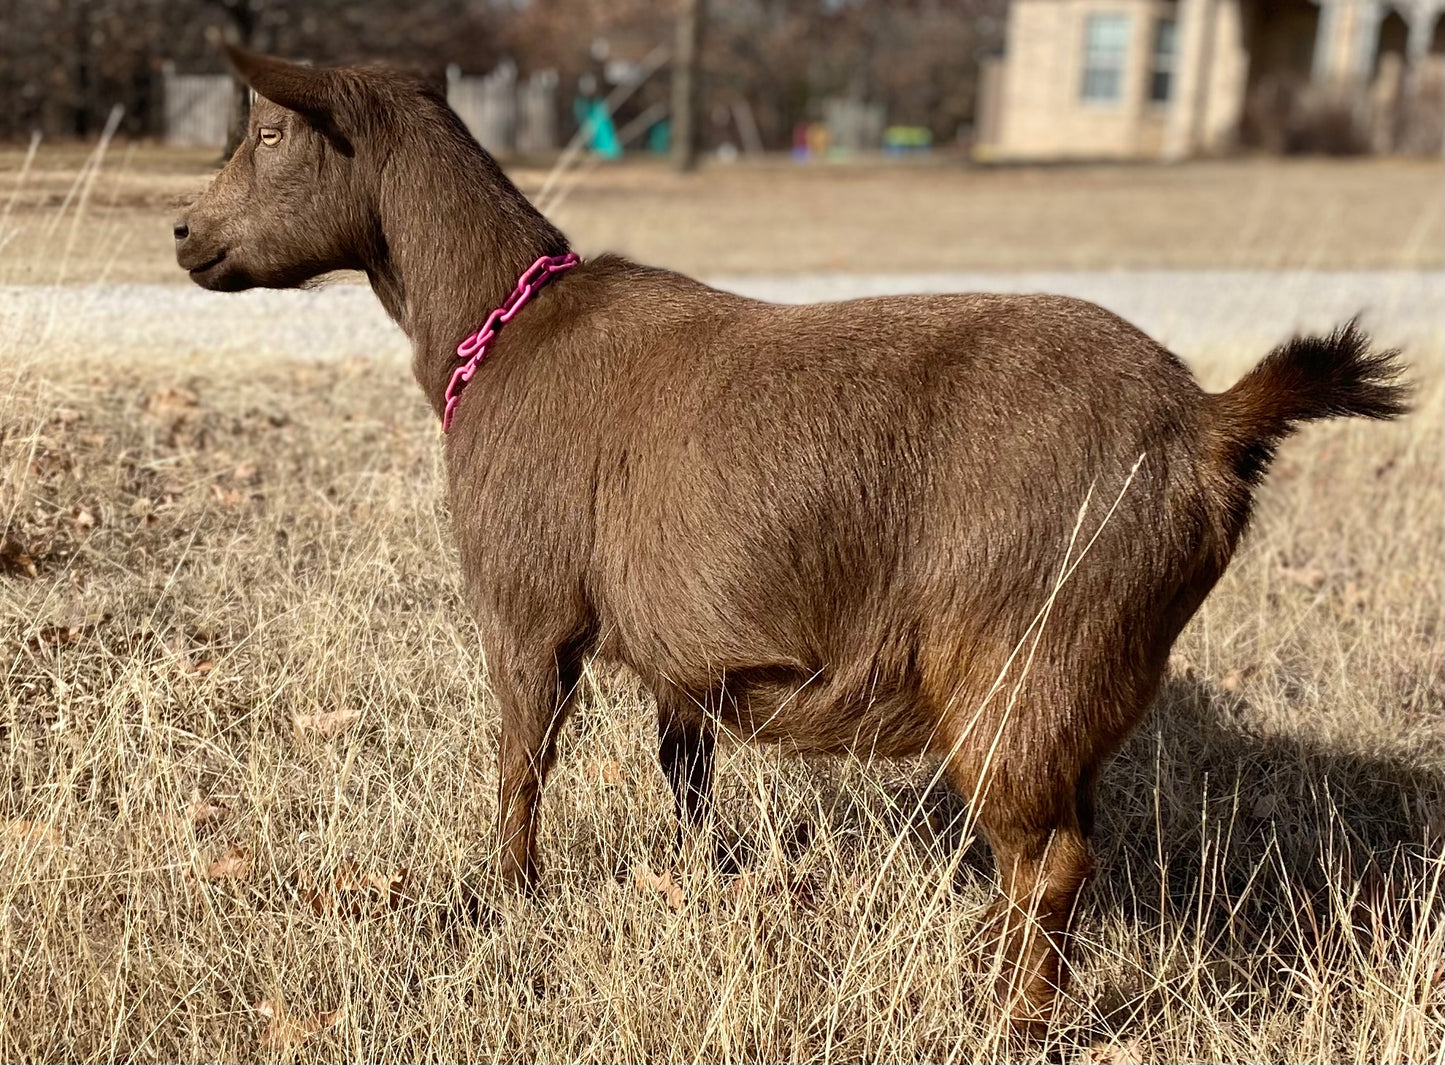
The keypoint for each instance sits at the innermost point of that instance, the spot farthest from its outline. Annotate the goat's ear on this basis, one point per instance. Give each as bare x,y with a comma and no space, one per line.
305,90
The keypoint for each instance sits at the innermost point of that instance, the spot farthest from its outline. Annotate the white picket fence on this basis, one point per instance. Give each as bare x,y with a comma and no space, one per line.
507,115
198,108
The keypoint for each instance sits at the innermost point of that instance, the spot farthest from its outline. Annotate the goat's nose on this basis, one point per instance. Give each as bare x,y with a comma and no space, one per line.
182,231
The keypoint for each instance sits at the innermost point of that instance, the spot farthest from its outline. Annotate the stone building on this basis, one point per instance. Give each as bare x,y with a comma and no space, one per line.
1173,78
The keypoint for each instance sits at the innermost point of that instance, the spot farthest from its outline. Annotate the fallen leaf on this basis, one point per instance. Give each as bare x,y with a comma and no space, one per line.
33,832
59,635
327,724
235,864
1130,1052
354,892
1355,597
1235,678
1311,577
610,772
180,651
201,811
171,398
16,559
1435,988
1180,666
285,1032
661,884
792,889
744,884
391,886
227,497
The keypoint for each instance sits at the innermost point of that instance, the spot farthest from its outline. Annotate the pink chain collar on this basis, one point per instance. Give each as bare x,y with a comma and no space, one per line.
474,348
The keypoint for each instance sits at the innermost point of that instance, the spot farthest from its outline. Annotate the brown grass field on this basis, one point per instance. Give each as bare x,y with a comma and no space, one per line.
249,754
777,217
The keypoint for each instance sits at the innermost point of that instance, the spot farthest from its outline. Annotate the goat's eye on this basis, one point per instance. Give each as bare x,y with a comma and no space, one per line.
270,135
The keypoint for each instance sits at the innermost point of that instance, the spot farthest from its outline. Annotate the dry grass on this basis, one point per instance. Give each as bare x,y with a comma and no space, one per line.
776,217
195,555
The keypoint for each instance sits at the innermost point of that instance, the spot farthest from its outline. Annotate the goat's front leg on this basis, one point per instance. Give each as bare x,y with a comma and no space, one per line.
685,741
535,698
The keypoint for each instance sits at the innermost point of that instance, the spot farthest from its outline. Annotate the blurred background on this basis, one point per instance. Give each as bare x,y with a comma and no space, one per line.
803,149
987,79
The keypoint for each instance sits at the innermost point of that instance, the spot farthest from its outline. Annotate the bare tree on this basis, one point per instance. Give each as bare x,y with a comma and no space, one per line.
64,63
691,17
242,18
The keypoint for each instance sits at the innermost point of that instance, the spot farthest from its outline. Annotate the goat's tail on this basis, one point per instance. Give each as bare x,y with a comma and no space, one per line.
1303,380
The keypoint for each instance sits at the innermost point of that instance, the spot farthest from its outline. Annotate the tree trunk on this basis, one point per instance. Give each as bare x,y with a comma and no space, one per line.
242,31
692,14
240,117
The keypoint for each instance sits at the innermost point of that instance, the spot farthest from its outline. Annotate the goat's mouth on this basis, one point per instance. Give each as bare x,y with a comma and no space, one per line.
199,270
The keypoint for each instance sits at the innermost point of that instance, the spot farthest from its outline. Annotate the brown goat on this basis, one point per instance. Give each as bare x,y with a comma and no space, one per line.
843,527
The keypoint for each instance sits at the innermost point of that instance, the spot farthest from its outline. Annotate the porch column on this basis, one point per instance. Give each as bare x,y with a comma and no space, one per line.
1422,22
1196,54
1322,66
1368,16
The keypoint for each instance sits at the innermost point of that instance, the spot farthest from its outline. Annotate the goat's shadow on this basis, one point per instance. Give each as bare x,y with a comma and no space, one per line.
1233,837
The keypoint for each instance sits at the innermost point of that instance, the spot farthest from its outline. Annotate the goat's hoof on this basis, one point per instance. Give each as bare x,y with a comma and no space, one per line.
1028,1001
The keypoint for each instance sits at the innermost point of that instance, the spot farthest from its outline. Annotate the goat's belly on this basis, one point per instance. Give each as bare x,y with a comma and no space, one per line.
815,709
820,722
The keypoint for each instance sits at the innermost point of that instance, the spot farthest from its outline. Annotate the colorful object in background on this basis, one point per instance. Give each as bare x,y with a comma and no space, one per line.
820,139
810,141
592,115
659,137
907,140
800,142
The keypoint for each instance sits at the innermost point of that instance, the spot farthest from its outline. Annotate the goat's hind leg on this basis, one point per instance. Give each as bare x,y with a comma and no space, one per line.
1042,853
1041,873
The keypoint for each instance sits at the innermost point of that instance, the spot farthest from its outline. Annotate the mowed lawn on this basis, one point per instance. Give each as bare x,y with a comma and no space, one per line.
250,757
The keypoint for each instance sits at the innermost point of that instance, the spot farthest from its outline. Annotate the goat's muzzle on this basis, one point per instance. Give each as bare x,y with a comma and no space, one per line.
197,257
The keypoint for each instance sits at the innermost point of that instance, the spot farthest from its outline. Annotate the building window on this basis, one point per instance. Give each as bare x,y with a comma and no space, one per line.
1106,40
1166,51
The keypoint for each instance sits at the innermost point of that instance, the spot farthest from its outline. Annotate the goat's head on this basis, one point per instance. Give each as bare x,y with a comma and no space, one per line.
298,197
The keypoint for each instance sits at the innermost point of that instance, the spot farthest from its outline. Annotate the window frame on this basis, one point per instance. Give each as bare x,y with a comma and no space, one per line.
1112,58
1169,68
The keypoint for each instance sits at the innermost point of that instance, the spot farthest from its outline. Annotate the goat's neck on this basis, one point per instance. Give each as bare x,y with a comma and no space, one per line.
455,236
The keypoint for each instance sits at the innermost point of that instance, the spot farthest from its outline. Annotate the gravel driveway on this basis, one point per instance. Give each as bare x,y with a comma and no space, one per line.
1198,314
